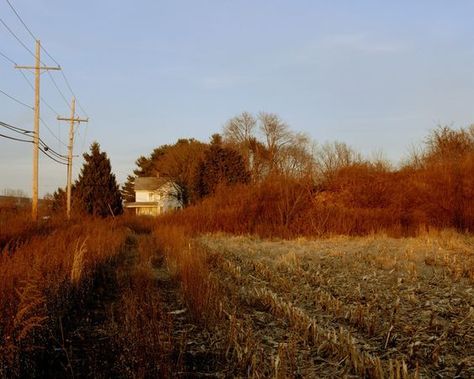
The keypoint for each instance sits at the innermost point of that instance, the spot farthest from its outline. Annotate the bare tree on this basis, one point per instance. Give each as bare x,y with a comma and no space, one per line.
334,156
240,129
277,135
296,158
239,134
276,150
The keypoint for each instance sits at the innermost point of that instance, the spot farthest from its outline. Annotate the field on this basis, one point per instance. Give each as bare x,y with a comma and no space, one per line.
372,306
130,297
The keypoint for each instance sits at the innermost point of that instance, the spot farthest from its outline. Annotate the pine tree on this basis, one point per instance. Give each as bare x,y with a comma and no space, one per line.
96,190
220,166
128,189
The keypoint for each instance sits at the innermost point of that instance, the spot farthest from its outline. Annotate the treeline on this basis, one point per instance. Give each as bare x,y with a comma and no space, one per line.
260,177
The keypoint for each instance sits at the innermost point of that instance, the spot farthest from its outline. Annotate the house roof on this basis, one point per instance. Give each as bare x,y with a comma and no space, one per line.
149,183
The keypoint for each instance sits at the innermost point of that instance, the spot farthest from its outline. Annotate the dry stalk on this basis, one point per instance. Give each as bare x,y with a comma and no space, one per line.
31,313
78,263
338,344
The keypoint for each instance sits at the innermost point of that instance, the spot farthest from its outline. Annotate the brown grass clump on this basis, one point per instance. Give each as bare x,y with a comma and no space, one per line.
188,262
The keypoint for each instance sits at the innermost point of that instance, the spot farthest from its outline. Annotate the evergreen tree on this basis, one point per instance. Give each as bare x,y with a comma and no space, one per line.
128,189
96,190
59,200
220,165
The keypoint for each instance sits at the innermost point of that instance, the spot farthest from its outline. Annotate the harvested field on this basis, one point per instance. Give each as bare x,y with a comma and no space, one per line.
136,299
356,307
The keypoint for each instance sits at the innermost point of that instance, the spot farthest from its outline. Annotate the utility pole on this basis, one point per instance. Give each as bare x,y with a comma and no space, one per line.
37,68
73,119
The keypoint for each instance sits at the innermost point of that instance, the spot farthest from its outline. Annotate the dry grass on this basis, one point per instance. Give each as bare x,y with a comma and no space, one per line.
40,278
139,324
168,303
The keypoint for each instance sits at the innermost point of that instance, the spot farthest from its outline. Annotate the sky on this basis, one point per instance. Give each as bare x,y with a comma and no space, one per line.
377,75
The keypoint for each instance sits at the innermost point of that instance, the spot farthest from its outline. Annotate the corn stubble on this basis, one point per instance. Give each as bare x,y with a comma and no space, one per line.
367,307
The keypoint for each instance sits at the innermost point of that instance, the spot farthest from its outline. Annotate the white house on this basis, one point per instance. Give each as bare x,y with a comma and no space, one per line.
154,196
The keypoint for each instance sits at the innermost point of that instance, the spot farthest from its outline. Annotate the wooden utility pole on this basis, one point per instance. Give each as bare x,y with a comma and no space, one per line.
37,68
73,119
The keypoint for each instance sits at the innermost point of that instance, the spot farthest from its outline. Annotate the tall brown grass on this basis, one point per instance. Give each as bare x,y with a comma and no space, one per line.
188,262
41,277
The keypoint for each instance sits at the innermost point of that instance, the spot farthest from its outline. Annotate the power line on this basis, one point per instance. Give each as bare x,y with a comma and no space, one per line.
26,47
28,106
31,141
48,54
41,97
21,20
50,157
59,90
54,152
51,132
25,131
16,37
32,87
16,100
7,58
15,139
72,92
15,128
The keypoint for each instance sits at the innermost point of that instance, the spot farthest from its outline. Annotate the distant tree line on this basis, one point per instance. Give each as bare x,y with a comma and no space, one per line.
286,184
249,149
269,177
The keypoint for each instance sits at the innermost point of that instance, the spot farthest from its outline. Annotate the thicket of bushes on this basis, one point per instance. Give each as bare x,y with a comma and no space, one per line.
345,194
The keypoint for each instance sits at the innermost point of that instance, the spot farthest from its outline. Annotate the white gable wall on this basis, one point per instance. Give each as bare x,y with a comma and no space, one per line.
165,198
144,196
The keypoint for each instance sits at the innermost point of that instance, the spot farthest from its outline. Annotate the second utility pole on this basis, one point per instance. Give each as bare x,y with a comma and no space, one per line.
73,119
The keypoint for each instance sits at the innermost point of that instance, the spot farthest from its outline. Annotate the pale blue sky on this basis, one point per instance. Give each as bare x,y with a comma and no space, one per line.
377,75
